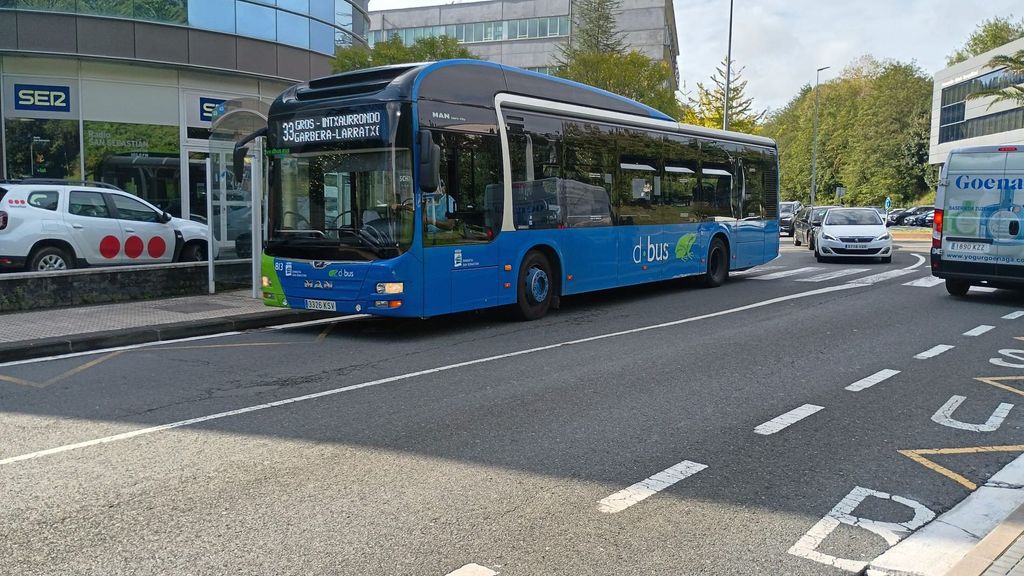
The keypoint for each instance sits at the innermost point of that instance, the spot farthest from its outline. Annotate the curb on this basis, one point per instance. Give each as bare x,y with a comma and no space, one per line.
26,349
988,551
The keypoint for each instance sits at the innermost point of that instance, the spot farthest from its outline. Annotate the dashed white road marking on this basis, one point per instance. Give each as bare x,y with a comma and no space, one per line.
983,289
979,330
472,570
755,270
646,488
865,383
780,422
925,282
876,278
411,375
786,273
833,275
1014,315
933,351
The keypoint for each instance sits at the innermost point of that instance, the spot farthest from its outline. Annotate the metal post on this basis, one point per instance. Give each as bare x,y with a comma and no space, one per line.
210,240
814,145
728,72
256,199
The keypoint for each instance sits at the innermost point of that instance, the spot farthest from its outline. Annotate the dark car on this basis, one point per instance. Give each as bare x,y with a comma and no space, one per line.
806,225
901,219
923,219
787,213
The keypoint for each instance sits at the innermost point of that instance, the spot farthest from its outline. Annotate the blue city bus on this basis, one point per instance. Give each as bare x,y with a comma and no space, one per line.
427,189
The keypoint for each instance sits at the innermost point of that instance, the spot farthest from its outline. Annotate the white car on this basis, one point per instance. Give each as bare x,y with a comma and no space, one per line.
57,225
853,233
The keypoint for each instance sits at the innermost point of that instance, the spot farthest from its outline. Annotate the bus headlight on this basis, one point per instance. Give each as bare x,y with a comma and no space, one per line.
266,282
390,287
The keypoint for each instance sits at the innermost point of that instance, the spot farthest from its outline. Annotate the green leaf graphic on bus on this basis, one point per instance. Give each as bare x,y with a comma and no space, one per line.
684,247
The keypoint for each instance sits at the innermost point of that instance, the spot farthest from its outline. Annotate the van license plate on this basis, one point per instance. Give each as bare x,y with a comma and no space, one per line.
321,305
973,247
855,246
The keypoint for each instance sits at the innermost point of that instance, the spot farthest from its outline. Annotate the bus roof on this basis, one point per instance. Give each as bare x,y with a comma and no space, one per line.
988,148
473,83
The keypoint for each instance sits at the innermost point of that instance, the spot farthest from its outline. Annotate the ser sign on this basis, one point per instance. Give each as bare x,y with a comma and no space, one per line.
40,98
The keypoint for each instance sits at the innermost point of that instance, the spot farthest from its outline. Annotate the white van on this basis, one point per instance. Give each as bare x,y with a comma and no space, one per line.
978,235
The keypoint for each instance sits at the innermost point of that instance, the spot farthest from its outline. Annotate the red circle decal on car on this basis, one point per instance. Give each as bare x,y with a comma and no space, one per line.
109,247
157,247
133,247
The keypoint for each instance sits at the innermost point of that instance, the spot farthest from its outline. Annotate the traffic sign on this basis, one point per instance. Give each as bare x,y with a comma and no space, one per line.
888,203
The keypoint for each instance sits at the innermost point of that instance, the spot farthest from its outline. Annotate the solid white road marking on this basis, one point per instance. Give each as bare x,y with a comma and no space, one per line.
1014,315
933,351
410,375
780,422
920,260
335,320
983,288
944,416
115,349
979,330
646,488
925,282
936,548
472,570
833,275
876,278
865,383
807,546
786,273
755,270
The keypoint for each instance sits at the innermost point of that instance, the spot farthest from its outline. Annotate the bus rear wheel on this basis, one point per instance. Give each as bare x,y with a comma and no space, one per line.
718,265
535,287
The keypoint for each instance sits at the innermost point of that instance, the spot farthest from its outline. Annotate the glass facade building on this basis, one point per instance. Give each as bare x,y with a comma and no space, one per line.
520,29
316,25
953,124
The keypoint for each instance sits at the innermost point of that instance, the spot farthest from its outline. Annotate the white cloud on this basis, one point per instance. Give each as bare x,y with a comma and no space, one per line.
780,43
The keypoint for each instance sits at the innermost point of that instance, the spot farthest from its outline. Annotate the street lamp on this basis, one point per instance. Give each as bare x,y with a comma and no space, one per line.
728,72
814,145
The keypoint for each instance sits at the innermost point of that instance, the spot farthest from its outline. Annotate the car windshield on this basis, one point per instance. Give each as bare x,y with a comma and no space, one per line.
786,208
818,214
852,218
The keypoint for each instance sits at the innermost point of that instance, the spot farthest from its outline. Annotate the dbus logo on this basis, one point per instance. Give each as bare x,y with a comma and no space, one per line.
653,252
39,98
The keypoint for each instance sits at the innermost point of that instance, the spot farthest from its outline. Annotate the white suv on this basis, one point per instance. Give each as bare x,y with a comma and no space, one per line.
57,225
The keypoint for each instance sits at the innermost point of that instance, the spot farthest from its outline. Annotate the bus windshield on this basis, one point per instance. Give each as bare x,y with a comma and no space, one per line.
341,204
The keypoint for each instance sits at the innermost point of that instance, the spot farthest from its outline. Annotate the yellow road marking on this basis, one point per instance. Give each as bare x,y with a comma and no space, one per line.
997,381
919,457
325,332
19,381
85,366
205,346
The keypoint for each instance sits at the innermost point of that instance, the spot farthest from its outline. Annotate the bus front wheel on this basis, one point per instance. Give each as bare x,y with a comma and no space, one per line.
718,264
535,287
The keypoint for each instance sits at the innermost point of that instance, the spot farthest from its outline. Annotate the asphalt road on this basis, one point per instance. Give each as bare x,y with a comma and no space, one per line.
419,447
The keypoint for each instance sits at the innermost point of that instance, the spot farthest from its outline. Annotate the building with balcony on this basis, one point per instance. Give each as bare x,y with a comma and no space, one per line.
527,33
958,121
126,91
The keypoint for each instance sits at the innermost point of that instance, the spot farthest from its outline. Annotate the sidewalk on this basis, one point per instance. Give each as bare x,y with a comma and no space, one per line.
1001,553
63,330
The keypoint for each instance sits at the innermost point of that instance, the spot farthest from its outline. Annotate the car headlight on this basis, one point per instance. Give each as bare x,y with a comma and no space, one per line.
829,237
884,236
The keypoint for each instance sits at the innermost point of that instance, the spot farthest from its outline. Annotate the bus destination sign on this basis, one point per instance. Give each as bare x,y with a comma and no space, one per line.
368,125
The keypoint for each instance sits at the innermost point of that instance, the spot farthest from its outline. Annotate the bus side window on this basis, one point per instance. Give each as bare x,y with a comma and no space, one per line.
467,209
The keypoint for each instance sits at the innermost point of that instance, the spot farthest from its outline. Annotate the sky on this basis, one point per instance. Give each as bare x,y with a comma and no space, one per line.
780,43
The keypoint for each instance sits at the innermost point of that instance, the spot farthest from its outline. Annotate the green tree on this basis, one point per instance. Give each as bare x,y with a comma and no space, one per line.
632,75
1013,64
988,35
708,107
394,51
874,122
594,30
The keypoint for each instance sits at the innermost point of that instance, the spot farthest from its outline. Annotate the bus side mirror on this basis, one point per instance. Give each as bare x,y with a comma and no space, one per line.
430,162
238,163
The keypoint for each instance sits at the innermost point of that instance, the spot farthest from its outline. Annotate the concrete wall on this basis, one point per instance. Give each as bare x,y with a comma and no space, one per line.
961,72
32,291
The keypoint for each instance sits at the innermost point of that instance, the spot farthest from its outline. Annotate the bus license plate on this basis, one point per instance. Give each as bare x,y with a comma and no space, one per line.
975,247
321,305
855,246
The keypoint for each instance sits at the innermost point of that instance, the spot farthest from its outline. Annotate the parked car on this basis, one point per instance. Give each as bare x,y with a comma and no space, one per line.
921,219
787,213
58,224
853,233
901,219
890,219
807,221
